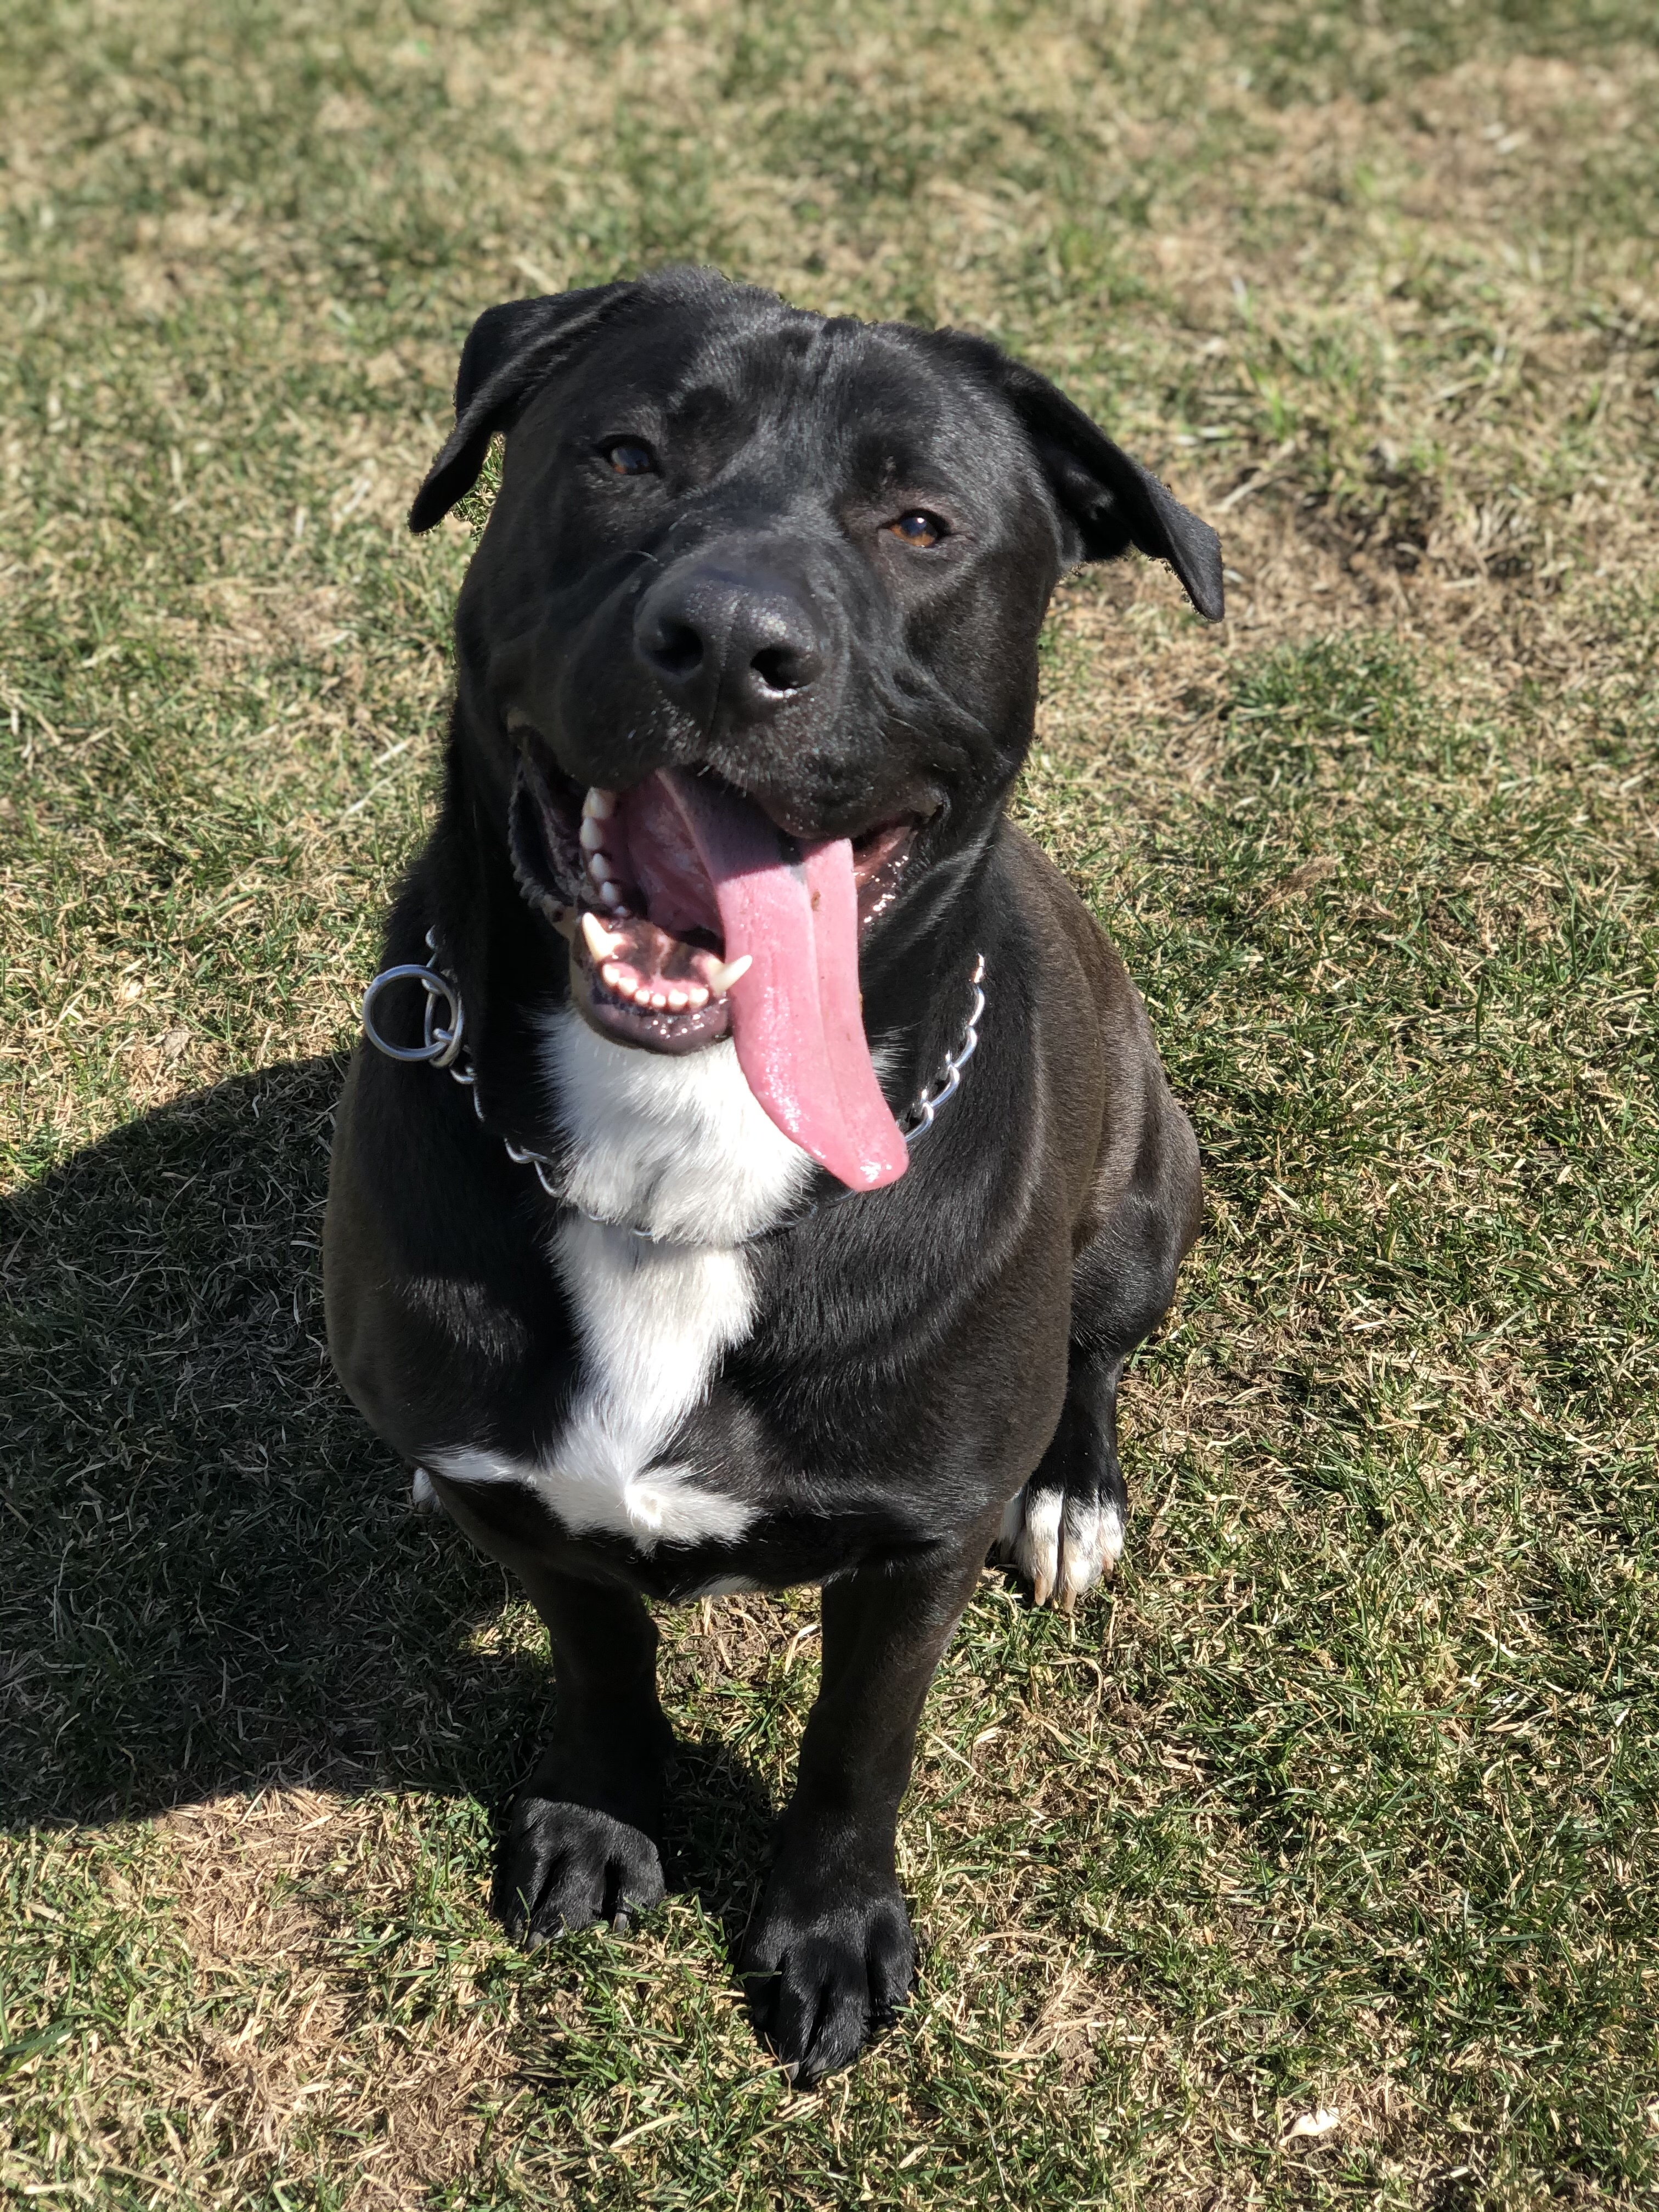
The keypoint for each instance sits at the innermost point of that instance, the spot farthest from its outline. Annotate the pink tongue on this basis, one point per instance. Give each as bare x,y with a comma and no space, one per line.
796,1017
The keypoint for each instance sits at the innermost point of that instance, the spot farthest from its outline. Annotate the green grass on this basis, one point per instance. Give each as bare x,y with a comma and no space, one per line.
1345,1796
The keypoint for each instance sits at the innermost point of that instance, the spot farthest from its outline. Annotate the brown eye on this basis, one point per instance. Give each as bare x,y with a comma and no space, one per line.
628,458
917,528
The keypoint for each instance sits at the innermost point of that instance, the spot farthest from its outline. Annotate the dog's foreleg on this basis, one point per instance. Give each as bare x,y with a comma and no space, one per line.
830,1954
581,1840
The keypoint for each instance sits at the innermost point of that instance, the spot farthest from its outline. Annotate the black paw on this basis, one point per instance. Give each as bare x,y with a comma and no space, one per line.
822,1975
565,1866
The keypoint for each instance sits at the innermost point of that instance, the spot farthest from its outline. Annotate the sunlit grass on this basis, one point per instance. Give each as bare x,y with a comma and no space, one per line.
1343,1799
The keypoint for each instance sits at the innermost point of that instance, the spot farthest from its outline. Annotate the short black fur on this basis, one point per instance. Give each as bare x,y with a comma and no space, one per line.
917,1354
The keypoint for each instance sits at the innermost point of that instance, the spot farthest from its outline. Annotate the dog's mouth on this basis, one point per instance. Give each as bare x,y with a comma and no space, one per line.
691,916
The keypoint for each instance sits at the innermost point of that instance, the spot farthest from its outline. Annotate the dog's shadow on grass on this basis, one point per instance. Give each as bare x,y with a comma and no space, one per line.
212,1578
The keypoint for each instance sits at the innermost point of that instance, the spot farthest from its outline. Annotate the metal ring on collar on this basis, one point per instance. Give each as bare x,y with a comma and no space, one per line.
440,1044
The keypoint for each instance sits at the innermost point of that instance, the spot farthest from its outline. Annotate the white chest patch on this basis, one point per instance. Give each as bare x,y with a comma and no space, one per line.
679,1147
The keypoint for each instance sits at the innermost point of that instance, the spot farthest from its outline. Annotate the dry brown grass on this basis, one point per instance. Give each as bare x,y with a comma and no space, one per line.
296,2054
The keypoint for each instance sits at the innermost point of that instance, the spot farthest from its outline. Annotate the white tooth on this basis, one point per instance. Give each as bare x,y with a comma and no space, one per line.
698,996
677,1001
613,898
600,943
721,979
660,1000
600,804
610,976
592,835
642,996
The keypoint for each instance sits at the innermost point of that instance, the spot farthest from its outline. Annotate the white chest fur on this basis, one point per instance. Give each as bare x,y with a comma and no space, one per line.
679,1147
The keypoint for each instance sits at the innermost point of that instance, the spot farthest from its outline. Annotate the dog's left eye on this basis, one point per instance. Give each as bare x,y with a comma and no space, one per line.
629,457
918,528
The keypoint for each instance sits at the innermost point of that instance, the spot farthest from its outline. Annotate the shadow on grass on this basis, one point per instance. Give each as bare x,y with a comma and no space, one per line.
718,1846
212,1579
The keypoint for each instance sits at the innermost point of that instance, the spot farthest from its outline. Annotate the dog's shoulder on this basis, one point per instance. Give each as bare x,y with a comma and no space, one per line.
1069,946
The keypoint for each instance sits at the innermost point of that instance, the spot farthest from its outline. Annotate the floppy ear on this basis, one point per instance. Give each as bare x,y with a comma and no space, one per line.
508,351
1109,501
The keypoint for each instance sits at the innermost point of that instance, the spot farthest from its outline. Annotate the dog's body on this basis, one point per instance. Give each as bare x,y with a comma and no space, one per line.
693,1370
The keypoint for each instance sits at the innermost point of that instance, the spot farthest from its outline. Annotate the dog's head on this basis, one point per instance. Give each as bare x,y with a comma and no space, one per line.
750,648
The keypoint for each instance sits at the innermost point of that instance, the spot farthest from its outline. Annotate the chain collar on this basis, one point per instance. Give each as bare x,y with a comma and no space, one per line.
441,1047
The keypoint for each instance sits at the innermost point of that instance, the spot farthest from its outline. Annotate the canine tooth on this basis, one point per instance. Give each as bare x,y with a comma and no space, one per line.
721,979
592,834
600,943
599,805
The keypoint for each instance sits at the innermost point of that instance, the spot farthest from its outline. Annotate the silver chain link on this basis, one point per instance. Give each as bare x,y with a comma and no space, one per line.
948,1082
441,1047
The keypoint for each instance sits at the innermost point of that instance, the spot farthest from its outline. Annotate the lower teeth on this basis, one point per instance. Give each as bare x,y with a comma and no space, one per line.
666,998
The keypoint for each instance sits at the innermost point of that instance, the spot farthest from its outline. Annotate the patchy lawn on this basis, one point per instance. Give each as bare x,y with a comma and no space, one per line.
1342,1801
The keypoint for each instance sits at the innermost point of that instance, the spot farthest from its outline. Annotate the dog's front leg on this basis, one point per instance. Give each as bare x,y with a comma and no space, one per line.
581,1845
830,1954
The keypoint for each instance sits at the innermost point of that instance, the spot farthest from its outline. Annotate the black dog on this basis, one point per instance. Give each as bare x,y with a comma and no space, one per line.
747,662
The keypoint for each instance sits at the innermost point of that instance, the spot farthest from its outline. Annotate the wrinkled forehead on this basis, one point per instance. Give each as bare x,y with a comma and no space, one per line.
863,402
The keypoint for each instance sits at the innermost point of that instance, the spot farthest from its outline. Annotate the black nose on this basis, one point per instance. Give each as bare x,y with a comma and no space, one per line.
718,638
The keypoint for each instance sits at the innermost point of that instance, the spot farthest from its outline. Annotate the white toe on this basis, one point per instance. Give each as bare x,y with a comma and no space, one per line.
1037,1548
1063,1545
1111,1537
1090,1542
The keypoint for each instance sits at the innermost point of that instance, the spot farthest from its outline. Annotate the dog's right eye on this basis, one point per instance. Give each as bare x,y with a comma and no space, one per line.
629,457
918,528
